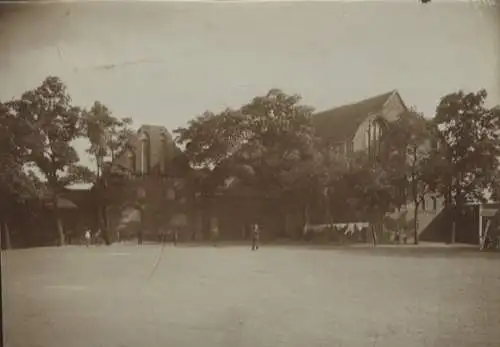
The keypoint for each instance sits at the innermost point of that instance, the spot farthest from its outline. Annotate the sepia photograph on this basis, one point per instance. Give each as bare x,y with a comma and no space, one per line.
250,173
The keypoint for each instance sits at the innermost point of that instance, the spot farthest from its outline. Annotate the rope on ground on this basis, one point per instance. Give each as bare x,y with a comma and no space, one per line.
155,265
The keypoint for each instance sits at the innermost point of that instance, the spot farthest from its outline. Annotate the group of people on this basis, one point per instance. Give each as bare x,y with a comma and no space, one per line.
88,237
214,232
173,235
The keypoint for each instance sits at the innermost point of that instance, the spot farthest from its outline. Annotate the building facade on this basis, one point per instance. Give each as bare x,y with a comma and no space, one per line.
359,127
157,192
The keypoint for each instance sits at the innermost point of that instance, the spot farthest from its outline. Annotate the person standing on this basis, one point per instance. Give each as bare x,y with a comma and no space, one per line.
139,237
88,237
214,231
397,237
175,235
69,236
255,237
161,234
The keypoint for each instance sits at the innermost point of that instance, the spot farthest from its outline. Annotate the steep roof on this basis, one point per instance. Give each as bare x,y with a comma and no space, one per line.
340,123
155,133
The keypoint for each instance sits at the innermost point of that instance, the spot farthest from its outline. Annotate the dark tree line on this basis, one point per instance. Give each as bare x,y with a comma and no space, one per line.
37,156
269,144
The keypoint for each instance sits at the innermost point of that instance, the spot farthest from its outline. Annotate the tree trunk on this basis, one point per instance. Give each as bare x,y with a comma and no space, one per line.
306,220
5,235
141,225
104,225
485,236
8,244
454,225
453,230
59,223
102,216
328,208
205,222
374,235
60,230
415,223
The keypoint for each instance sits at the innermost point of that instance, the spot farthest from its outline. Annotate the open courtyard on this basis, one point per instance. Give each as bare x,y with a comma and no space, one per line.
230,296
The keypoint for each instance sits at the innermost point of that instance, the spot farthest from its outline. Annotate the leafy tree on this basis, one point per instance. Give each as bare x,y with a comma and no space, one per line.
408,143
367,188
466,161
15,183
258,143
53,122
107,136
315,181
207,148
264,137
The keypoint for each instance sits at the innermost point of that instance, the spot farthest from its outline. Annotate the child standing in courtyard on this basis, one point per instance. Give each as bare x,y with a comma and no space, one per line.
255,237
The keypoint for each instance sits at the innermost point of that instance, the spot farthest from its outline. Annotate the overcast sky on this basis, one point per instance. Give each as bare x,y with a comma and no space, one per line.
190,57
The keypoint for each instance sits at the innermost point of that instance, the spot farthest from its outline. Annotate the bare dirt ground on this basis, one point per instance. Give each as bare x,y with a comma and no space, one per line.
230,296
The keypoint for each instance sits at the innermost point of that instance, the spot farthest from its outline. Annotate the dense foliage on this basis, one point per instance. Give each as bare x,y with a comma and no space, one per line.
268,145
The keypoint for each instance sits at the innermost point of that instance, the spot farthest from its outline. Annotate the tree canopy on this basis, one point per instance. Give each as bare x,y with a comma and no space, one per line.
268,144
262,139
466,160
49,124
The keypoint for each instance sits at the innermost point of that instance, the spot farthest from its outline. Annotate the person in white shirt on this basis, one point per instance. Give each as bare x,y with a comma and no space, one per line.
88,237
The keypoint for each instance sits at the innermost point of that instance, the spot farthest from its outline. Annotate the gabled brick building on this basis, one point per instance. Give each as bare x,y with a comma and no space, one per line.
157,186
359,126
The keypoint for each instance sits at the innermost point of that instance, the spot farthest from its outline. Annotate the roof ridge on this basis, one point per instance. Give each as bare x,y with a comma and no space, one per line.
341,122
388,94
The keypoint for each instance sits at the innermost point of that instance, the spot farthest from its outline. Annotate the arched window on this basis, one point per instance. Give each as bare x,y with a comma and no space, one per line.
145,156
423,201
380,127
369,138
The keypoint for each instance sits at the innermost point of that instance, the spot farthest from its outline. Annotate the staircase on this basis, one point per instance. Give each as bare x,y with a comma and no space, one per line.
426,214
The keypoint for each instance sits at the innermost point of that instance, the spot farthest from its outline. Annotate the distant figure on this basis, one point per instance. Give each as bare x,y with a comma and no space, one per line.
97,237
162,234
88,238
255,237
397,237
177,224
69,236
175,236
214,231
